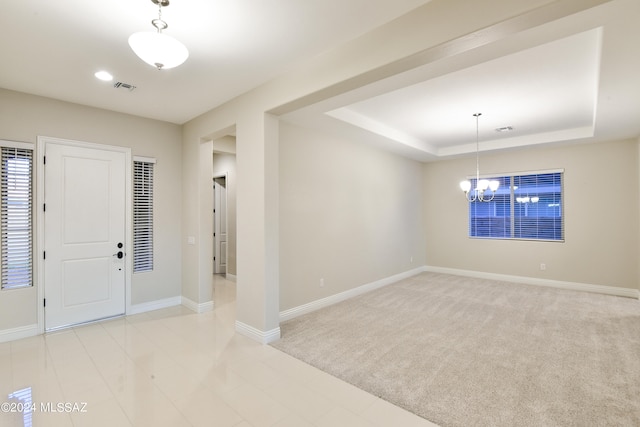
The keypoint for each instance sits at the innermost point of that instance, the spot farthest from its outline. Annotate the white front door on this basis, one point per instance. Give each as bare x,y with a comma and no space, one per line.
220,225
84,221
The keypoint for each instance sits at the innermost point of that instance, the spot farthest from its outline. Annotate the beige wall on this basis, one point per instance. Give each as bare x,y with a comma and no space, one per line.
225,164
24,117
600,206
349,214
434,31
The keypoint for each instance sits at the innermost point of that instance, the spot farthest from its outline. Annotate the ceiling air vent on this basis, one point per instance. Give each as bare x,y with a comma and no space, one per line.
124,86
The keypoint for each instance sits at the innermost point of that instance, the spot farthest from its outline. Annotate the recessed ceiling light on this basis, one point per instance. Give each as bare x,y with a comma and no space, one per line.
104,76
505,129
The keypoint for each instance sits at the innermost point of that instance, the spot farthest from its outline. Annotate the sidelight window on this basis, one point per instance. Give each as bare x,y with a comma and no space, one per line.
16,216
143,215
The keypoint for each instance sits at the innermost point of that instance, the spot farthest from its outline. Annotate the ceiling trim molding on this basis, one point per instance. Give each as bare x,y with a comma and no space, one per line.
525,21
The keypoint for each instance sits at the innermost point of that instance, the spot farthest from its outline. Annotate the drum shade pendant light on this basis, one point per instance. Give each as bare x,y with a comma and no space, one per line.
485,190
156,48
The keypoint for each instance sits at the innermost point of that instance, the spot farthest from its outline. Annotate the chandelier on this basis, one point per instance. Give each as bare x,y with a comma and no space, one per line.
485,189
156,48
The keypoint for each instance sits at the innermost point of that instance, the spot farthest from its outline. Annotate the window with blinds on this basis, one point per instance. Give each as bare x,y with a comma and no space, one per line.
16,217
143,215
527,206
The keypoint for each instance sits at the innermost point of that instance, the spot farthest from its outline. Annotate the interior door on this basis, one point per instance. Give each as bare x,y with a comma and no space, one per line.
84,220
220,224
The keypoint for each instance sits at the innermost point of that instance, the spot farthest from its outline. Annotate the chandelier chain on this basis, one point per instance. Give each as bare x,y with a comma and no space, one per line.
159,23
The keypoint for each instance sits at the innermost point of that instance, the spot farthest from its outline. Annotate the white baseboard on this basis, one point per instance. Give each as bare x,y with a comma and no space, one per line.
330,300
574,286
19,333
154,305
198,308
231,277
256,334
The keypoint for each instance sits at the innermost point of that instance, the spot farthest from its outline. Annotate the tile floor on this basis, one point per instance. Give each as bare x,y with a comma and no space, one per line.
174,368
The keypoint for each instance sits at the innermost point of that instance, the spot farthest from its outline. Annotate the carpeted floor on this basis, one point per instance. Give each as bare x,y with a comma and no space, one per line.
461,351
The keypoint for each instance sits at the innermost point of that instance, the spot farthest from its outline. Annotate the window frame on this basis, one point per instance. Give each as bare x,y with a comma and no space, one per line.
512,218
143,253
16,145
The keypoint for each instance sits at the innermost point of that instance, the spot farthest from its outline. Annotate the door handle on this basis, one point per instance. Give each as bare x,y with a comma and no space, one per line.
120,254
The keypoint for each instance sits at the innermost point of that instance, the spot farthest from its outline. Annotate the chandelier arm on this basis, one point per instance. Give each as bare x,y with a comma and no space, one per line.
471,198
483,199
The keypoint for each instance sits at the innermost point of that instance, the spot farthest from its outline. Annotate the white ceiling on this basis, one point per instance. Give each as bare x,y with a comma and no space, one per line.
574,79
546,89
571,80
53,47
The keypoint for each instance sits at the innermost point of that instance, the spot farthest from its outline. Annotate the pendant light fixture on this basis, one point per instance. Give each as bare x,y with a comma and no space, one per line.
482,185
156,48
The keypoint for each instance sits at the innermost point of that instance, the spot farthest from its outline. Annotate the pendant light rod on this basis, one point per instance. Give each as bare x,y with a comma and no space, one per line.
482,185
477,116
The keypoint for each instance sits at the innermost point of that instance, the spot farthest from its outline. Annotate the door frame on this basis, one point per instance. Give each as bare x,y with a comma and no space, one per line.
39,223
226,216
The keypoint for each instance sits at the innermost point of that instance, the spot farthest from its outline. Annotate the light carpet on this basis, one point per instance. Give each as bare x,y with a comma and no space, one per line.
462,351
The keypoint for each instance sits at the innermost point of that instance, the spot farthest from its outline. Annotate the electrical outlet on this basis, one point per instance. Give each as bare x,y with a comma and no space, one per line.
543,266
322,283
411,260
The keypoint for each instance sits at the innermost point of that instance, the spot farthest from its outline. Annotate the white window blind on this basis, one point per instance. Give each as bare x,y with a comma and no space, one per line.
142,216
538,207
16,217
526,206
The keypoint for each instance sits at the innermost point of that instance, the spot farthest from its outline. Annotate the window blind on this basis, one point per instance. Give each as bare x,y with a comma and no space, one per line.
16,217
142,216
492,219
538,207
526,206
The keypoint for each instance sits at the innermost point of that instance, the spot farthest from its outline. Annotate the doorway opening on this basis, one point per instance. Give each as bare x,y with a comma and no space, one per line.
220,234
